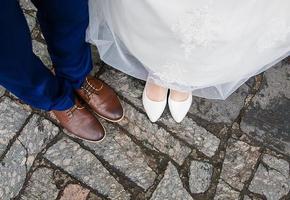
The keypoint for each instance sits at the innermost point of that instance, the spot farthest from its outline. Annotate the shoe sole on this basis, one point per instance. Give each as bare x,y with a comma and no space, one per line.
91,141
75,136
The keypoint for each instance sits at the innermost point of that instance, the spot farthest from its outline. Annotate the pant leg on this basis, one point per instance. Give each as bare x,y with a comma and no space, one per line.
64,24
21,72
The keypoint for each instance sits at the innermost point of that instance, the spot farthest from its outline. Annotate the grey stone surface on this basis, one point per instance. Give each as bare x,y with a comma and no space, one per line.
170,187
2,91
225,192
36,135
152,135
130,88
247,198
193,134
13,171
239,162
219,111
272,178
188,130
94,197
200,176
27,5
251,198
267,119
33,138
41,186
12,118
85,167
31,21
41,51
119,150
126,148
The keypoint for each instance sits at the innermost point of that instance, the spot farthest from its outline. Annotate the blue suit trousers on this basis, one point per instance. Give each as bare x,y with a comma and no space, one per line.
63,23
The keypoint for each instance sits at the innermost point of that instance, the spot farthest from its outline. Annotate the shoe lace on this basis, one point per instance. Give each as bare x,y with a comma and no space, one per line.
71,111
90,89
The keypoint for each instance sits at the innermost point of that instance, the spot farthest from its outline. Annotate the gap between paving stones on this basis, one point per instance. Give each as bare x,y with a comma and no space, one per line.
160,125
119,176
184,172
11,142
134,141
125,182
229,134
245,190
161,159
84,165
225,141
57,138
34,167
164,126
178,138
42,162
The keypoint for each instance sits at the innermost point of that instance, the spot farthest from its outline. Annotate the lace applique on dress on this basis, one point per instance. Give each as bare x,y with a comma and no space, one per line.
276,36
197,28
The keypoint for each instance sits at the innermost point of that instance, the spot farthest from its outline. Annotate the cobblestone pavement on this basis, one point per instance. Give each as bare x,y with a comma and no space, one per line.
223,150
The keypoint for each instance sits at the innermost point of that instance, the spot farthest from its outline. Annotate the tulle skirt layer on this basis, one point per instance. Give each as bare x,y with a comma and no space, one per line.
208,47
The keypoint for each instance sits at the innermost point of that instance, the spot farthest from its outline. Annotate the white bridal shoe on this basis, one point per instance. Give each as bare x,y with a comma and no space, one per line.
179,109
154,109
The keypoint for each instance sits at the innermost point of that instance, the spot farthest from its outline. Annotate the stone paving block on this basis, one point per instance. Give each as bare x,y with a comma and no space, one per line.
40,186
84,166
75,192
119,150
252,198
156,137
27,5
200,176
272,178
225,192
247,198
13,171
94,197
33,138
31,21
170,187
267,119
2,91
219,111
130,88
41,51
36,135
188,130
195,135
239,163
12,118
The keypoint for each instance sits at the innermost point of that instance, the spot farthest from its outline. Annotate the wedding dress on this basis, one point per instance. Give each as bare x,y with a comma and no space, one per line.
208,47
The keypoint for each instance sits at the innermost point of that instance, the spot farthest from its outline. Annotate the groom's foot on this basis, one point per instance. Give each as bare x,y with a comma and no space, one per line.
102,99
81,123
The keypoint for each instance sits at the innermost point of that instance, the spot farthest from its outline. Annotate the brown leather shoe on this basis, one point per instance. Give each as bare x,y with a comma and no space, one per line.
81,123
102,99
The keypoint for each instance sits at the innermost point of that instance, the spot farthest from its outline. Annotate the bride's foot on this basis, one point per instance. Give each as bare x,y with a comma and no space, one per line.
179,96
179,104
154,100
